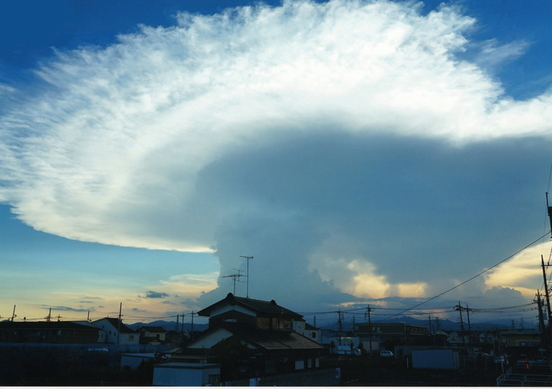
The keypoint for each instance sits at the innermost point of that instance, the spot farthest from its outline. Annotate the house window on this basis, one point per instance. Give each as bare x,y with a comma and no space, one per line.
299,365
131,337
313,335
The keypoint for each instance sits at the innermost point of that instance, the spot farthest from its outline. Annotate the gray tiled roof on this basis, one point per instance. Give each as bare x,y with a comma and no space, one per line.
260,307
268,339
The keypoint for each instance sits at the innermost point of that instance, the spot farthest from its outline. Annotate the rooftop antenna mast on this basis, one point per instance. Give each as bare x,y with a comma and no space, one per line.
235,277
247,275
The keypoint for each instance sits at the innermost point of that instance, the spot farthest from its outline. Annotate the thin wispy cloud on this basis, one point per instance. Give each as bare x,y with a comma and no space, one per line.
338,142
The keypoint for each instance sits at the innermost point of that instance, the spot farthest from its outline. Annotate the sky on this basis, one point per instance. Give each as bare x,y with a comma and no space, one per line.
389,154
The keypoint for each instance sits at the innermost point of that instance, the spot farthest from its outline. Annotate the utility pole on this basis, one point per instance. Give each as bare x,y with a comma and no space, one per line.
247,258
192,326
119,322
542,327
546,291
182,325
13,314
368,311
549,208
459,308
469,324
340,324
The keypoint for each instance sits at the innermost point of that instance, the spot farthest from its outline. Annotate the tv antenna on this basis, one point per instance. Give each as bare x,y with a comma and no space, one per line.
235,277
247,275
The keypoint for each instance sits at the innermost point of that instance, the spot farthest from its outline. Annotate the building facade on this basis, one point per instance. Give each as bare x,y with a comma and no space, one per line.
115,332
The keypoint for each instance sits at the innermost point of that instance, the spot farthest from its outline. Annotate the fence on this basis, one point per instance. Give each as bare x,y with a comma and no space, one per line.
516,379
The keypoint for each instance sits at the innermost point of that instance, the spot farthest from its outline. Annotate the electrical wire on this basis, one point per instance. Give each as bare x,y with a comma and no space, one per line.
470,279
383,308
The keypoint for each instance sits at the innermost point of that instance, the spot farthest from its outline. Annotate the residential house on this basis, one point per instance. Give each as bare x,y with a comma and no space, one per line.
65,332
458,339
520,338
393,333
251,338
152,335
115,332
307,330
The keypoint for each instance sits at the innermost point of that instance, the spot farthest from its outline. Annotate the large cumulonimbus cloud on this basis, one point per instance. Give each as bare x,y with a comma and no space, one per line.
346,143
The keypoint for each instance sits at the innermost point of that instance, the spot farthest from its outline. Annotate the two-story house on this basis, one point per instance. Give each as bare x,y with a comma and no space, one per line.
258,336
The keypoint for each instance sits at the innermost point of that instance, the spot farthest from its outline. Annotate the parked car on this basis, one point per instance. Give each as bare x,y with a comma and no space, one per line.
386,353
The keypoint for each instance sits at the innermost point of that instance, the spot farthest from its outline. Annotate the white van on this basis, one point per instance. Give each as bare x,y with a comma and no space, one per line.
386,353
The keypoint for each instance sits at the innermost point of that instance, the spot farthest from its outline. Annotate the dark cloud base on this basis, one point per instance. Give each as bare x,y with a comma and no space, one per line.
421,210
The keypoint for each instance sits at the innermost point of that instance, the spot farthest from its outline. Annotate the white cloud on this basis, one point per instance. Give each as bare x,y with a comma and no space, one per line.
492,55
112,146
523,272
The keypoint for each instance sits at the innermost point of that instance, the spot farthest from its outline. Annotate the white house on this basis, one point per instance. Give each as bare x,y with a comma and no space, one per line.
115,332
307,330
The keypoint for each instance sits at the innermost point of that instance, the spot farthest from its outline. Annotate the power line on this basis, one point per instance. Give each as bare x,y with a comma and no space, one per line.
470,279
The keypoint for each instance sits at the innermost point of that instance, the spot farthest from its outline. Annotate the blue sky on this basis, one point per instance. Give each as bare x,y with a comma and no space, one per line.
363,152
